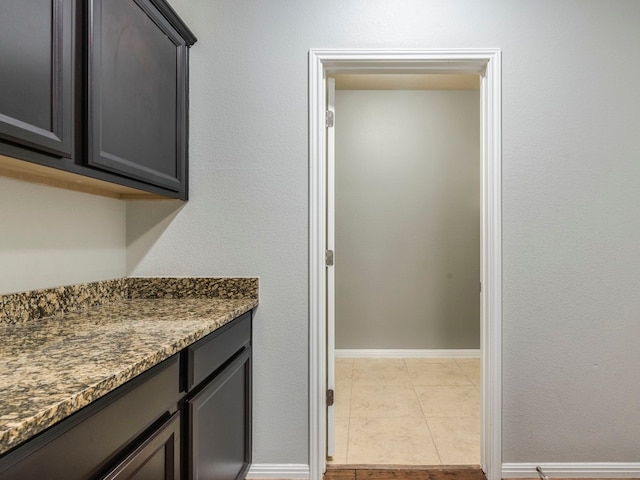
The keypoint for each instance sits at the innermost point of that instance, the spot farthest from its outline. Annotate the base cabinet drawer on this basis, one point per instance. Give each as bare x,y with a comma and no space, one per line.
219,418
210,353
158,458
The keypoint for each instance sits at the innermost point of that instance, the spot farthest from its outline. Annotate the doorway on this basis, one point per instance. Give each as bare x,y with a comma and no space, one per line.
407,270
486,63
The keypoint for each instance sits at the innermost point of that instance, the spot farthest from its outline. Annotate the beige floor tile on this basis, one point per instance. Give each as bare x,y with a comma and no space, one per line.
449,401
379,397
344,368
467,361
420,361
437,374
343,398
457,440
380,371
471,367
384,401
403,441
341,432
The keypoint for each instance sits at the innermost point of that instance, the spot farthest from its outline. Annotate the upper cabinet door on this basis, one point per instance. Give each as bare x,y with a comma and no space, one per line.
137,93
36,48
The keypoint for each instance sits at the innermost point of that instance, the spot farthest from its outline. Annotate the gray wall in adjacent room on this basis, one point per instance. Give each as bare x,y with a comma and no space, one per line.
407,219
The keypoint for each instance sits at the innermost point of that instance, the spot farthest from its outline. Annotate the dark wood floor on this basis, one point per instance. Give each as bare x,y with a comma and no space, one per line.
394,472
397,472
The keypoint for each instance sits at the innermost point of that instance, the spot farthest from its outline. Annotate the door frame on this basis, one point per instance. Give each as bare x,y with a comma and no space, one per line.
487,63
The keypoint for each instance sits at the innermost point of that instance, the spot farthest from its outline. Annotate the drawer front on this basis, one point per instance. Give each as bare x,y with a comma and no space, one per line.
209,354
84,444
157,458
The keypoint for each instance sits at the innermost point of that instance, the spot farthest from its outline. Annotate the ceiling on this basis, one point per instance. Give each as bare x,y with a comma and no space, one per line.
437,81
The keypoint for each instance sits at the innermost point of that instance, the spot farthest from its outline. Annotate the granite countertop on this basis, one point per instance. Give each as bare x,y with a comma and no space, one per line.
52,367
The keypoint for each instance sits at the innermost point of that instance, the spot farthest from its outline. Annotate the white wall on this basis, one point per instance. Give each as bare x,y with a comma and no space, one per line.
407,219
51,237
570,190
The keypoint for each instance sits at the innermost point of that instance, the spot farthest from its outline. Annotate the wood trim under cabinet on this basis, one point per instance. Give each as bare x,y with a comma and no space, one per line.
34,173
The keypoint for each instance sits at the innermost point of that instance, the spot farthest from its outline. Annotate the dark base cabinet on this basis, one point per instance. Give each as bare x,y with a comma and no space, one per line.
220,421
218,406
188,417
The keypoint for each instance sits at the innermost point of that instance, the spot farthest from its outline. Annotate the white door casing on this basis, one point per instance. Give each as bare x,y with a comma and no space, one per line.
487,63
331,275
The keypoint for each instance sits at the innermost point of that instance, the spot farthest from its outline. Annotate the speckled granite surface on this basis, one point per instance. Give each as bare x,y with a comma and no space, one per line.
54,366
35,304
177,287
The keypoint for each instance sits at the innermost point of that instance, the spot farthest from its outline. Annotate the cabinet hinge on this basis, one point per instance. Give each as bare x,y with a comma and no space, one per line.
329,398
328,258
328,119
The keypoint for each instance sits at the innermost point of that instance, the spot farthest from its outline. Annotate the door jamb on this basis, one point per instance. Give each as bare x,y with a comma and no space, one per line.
487,63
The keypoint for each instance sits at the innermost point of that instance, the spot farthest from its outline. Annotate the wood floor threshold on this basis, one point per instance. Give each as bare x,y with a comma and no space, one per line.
403,472
418,472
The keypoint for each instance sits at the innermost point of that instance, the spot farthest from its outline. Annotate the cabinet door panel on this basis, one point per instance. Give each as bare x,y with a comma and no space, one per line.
36,48
137,99
220,422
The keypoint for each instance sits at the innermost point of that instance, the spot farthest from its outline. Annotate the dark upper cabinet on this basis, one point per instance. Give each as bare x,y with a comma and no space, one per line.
137,68
36,74
97,88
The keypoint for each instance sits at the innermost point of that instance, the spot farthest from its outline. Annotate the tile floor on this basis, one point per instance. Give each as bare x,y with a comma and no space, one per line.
418,411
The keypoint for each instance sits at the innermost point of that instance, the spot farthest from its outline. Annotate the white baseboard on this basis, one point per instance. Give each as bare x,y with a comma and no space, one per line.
293,471
407,353
572,470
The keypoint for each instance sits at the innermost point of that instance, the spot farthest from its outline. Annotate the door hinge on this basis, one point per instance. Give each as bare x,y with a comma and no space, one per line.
328,119
480,287
329,398
328,258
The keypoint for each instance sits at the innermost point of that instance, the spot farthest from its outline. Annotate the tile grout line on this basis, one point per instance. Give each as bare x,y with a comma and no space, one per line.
435,445
469,378
346,455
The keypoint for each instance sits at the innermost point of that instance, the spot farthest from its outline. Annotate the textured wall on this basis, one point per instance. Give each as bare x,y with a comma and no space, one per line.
570,190
51,237
407,219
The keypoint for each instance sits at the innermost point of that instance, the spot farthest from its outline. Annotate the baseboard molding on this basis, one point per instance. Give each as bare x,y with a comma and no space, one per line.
407,353
572,470
293,471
